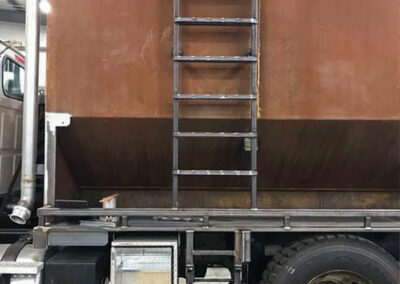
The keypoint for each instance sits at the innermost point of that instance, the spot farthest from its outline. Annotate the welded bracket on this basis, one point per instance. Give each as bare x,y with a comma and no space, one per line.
238,264
189,257
286,223
44,237
57,119
368,223
52,121
246,256
40,236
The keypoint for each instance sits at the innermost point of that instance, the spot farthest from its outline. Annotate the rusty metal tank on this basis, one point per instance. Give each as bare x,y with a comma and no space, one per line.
329,102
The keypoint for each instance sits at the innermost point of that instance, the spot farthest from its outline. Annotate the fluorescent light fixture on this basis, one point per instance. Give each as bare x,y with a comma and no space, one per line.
45,6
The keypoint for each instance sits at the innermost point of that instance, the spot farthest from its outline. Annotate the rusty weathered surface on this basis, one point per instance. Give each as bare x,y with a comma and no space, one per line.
144,198
292,154
336,62
66,186
334,59
330,59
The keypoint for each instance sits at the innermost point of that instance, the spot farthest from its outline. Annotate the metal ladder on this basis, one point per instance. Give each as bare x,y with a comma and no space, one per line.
252,59
241,255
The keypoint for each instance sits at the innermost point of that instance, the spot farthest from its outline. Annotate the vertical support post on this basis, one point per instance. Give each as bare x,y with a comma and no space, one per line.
175,142
246,255
52,121
246,244
50,149
124,222
189,257
254,103
238,258
22,211
41,221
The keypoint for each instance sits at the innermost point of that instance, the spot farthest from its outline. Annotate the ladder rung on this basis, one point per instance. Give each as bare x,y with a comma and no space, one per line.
216,134
216,59
213,280
214,173
216,21
214,97
214,253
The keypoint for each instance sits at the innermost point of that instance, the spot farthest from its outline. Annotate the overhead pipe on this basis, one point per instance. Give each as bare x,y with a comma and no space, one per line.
22,211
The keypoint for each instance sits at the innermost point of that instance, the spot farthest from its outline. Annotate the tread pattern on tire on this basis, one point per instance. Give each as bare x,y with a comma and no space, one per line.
276,265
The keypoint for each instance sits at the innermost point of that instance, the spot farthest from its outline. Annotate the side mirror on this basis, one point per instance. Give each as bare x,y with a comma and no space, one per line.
13,78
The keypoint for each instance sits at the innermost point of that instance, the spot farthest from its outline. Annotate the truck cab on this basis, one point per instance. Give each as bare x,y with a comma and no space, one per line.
12,77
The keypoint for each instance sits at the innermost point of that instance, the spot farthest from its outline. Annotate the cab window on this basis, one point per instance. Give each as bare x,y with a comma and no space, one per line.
13,79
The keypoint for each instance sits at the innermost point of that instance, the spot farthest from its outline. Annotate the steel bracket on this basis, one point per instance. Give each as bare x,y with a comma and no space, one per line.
40,237
53,120
286,222
368,223
57,119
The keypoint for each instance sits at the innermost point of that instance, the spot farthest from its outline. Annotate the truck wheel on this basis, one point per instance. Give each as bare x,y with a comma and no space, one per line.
332,259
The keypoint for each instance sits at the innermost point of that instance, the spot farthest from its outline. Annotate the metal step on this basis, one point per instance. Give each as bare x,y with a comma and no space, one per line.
214,97
214,253
216,59
215,21
216,134
214,173
213,280
251,57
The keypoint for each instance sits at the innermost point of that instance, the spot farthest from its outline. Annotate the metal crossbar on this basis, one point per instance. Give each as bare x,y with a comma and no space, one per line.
216,134
252,59
216,59
191,21
215,97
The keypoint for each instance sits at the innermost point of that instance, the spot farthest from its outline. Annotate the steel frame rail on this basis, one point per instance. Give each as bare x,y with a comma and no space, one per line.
193,212
265,220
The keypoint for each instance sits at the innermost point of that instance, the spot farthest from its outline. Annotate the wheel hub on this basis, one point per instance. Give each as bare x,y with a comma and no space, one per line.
340,277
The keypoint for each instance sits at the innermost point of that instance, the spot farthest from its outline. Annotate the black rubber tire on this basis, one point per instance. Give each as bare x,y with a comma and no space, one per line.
305,260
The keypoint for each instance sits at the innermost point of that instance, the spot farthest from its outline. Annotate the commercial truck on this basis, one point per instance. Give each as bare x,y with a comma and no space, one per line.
192,141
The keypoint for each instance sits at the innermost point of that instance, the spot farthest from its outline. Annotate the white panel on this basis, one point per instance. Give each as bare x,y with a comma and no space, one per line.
143,265
10,139
144,260
16,32
1,127
7,130
18,132
23,279
16,161
6,166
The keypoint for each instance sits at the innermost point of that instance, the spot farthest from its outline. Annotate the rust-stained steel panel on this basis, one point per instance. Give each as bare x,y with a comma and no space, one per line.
330,59
110,152
329,101
336,59
144,198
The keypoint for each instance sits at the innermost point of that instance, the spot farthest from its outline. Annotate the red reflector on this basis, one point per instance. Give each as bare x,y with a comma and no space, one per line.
20,59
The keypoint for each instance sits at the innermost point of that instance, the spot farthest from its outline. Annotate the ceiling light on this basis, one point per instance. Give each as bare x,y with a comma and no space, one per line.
45,6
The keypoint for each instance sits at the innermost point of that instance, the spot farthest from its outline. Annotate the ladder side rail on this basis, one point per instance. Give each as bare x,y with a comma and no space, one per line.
254,103
175,150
